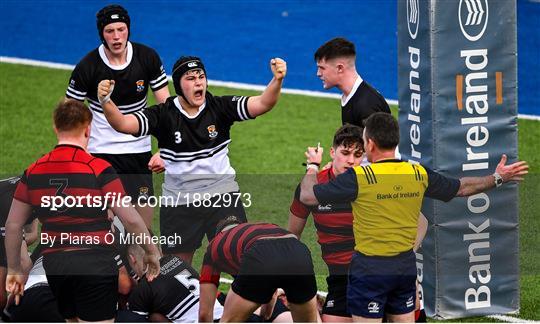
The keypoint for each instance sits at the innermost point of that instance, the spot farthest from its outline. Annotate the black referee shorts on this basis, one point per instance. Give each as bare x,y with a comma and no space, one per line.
276,263
134,173
85,283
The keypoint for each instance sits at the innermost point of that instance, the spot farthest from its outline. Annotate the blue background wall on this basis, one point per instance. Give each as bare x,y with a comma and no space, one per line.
237,38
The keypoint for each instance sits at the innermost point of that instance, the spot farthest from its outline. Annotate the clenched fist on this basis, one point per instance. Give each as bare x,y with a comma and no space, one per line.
104,91
278,67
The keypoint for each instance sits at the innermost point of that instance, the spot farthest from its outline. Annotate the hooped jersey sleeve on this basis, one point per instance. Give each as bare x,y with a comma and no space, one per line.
297,208
156,71
233,108
149,120
78,83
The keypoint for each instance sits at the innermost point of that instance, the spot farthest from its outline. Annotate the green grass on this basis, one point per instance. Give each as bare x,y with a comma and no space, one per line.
267,154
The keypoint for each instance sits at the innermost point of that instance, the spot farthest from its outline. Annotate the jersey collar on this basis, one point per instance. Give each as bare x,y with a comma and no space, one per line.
105,60
179,106
388,160
357,83
69,145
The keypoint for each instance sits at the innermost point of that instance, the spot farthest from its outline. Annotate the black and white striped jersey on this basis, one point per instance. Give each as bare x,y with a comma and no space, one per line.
195,148
142,70
174,293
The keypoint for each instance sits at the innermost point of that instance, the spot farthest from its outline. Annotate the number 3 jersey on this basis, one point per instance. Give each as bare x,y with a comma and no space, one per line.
195,148
143,70
174,293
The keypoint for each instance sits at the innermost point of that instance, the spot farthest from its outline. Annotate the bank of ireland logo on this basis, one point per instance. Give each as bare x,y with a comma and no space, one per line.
473,18
412,17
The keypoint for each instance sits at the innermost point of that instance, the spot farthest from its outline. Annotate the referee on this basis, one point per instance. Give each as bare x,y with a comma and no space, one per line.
386,198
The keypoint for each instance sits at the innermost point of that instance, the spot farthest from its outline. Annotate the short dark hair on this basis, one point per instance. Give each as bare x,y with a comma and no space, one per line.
229,220
336,47
383,129
70,115
349,135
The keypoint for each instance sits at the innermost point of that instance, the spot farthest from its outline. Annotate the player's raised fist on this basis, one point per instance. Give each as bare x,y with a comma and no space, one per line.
279,68
104,91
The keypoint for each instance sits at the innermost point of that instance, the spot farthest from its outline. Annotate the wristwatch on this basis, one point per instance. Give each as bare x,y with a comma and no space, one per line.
498,179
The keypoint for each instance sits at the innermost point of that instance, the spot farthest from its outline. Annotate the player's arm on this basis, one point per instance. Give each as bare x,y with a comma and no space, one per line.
134,224
512,172
31,232
207,299
261,104
296,224
298,214
314,158
127,124
17,217
162,94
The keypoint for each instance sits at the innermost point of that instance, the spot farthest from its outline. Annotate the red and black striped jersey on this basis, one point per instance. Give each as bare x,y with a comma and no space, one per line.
334,227
225,251
68,189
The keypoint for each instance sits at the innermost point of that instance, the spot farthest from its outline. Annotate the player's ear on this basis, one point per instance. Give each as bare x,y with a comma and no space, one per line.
87,131
332,152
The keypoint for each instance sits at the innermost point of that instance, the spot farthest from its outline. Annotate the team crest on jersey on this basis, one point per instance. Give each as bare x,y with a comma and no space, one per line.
143,192
212,133
140,85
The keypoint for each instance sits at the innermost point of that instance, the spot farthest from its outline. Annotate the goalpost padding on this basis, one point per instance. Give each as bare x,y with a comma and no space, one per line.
457,62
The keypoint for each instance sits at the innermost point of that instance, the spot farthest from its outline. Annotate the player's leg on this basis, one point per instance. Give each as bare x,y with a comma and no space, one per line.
183,227
237,308
297,278
335,305
253,286
96,295
367,288
305,312
401,301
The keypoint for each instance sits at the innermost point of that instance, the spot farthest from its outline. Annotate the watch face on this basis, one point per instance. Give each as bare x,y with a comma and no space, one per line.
499,181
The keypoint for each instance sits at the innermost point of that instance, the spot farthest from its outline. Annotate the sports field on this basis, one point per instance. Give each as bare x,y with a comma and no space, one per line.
267,154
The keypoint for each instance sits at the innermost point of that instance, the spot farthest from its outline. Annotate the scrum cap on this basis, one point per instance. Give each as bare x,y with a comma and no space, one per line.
108,15
183,65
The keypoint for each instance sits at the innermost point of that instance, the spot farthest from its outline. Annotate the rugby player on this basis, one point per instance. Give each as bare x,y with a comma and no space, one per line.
135,68
382,275
78,258
336,67
193,133
262,257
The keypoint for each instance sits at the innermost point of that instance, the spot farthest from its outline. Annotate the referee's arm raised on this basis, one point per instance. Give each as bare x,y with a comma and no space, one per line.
263,103
503,173
127,124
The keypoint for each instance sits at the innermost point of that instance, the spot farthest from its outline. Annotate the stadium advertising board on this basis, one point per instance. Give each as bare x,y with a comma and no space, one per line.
458,114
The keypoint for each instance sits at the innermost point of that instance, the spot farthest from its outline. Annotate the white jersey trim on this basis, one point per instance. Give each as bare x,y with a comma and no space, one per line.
241,108
154,84
182,156
70,92
105,59
357,83
179,106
